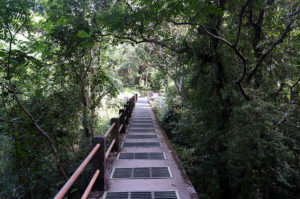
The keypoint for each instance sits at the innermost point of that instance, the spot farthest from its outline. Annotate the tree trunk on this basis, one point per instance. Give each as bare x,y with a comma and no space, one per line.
93,121
146,81
39,128
181,80
85,109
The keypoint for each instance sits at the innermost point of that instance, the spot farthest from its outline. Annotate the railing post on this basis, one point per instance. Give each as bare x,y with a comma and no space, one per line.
98,162
133,101
115,134
129,108
122,120
126,111
132,104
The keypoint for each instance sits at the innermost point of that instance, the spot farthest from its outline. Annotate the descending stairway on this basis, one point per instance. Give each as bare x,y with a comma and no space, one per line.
146,167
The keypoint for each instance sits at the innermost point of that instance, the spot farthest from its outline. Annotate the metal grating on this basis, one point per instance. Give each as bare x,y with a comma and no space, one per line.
140,121
157,156
142,125
165,195
141,144
128,156
141,136
142,113
142,118
116,195
143,156
141,130
142,195
160,172
141,172
122,173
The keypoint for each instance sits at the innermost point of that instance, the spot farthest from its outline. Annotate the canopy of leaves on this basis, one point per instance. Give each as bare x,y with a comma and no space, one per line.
229,71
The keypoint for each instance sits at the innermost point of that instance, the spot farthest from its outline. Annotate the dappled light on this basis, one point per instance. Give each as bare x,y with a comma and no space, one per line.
150,99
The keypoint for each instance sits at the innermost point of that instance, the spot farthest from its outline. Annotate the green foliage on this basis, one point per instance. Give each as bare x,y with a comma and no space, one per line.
230,70
229,146
259,155
134,68
52,59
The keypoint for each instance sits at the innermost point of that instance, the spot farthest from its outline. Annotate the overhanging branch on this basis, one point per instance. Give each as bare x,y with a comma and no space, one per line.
288,28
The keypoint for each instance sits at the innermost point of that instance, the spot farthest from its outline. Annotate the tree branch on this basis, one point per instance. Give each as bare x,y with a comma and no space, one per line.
12,90
37,126
240,55
273,45
148,40
241,21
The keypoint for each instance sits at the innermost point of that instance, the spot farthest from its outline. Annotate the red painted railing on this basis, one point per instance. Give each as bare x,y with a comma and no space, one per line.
98,155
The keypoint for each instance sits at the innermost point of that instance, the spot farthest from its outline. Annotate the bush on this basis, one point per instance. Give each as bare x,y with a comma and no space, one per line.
253,157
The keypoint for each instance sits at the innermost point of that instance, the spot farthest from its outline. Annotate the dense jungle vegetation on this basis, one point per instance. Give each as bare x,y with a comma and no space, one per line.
228,72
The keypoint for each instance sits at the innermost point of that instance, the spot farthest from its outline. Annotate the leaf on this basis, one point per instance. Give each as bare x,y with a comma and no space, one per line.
14,61
82,34
73,190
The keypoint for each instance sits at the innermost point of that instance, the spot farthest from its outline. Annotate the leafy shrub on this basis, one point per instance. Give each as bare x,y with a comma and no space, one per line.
254,157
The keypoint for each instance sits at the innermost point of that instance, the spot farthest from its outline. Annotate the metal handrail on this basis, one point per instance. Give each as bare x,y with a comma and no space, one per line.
75,175
91,184
120,115
121,127
79,170
109,149
109,130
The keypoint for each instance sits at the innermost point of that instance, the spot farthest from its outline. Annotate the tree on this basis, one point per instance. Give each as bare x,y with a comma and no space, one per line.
74,30
235,54
44,66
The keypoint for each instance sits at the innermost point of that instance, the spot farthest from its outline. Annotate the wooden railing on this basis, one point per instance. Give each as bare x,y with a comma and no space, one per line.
98,155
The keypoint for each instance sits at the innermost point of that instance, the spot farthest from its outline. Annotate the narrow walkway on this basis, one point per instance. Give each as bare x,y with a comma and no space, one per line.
146,167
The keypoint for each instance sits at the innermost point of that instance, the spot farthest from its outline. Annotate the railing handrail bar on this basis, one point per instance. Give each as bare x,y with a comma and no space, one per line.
120,115
89,187
75,175
109,149
109,130
121,127
79,170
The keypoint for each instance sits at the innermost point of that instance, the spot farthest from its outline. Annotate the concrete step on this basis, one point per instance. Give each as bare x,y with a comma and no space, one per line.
144,128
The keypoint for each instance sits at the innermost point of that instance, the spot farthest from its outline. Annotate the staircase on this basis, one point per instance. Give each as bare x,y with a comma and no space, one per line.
147,166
